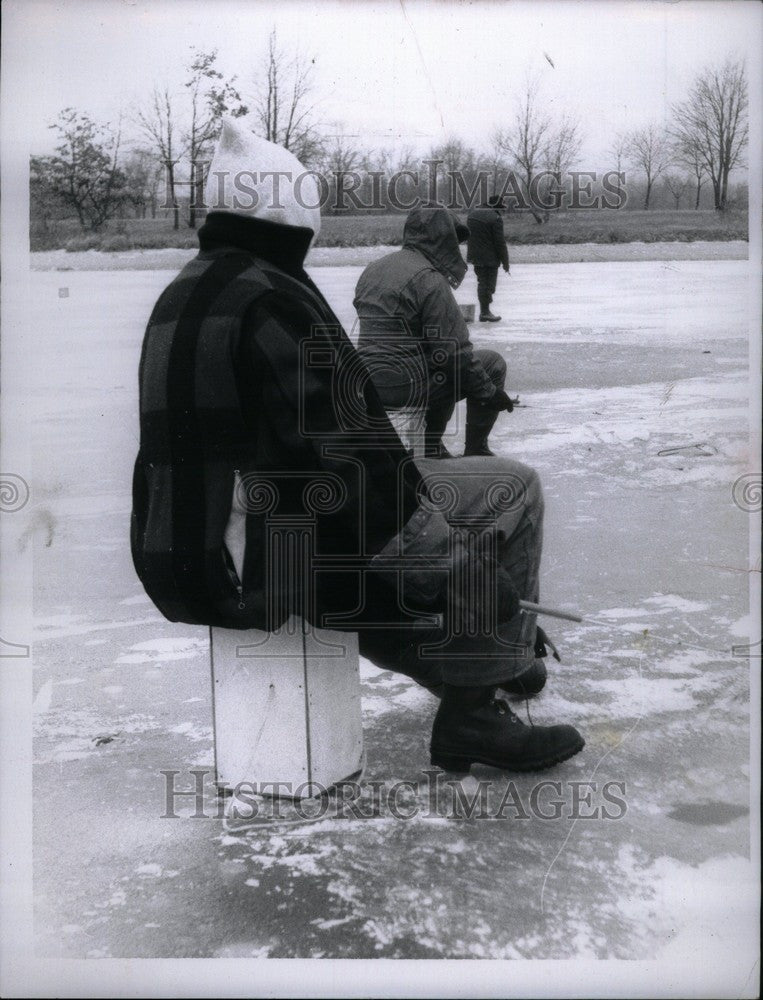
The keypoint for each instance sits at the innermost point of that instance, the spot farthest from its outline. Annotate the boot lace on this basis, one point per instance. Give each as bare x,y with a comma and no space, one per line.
504,708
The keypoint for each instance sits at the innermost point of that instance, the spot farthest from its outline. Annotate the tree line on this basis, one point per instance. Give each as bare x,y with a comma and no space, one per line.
96,175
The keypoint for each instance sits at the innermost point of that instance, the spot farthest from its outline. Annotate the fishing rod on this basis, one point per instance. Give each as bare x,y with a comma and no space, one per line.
571,616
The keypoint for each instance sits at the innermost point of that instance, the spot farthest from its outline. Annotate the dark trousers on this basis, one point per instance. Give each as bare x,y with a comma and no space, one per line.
507,496
487,276
443,398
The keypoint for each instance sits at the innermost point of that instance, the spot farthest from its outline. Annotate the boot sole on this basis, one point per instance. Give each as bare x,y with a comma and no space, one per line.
461,763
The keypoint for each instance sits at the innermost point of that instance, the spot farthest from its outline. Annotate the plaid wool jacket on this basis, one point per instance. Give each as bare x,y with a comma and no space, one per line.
257,416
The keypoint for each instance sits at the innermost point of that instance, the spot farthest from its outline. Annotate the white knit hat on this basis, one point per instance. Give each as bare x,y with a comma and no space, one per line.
235,182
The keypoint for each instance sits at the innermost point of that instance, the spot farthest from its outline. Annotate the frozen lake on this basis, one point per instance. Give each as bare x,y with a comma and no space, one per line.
616,362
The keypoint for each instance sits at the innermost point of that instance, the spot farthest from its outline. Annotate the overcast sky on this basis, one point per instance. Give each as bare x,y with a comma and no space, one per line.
413,71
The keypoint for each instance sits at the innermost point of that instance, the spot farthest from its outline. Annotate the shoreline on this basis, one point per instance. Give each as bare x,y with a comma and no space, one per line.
173,259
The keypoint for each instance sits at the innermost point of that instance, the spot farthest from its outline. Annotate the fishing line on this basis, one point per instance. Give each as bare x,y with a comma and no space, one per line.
590,780
571,616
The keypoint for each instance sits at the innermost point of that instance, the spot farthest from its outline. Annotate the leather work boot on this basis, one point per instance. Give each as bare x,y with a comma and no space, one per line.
488,317
473,727
479,423
531,682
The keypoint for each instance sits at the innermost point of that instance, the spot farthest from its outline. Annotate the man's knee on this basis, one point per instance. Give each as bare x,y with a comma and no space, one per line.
522,487
494,485
534,488
494,365
532,492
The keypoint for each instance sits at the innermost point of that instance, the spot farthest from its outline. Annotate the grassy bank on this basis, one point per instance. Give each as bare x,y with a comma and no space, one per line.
602,226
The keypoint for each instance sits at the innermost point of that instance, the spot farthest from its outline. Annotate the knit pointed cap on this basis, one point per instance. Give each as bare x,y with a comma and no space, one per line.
288,194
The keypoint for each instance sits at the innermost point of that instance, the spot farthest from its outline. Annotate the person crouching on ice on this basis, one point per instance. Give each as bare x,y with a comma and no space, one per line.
414,338
241,385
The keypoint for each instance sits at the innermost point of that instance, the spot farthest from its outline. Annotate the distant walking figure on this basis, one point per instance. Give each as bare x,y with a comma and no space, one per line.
486,250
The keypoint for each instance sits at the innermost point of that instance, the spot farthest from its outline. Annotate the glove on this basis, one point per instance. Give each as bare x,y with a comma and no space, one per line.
426,540
473,608
500,401
506,268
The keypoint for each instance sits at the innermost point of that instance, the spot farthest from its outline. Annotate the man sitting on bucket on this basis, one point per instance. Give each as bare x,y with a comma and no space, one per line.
254,407
414,338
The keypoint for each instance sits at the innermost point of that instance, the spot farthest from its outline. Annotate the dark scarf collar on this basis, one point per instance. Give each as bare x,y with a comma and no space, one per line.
283,246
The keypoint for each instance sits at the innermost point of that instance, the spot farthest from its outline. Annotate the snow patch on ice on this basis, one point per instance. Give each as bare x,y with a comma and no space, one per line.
705,914
672,602
622,613
68,626
193,731
151,869
165,649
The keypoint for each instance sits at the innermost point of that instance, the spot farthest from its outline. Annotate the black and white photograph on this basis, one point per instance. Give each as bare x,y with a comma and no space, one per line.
380,477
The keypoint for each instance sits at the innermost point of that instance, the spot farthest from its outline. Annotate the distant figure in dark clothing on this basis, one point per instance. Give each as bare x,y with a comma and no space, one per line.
487,249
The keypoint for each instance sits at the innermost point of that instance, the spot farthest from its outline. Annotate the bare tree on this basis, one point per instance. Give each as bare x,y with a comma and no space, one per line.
398,165
619,150
457,187
563,145
526,140
283,103
687,154
139,167
339,161
561,149
454,154
211,96
159,122
647,150
713,119
676,185
494,161
341,156
404,158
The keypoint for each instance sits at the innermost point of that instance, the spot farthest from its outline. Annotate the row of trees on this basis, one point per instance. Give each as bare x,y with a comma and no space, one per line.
96,174
90,174
172,136
705,138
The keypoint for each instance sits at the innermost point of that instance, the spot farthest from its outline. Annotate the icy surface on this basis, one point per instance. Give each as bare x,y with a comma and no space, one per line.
616,363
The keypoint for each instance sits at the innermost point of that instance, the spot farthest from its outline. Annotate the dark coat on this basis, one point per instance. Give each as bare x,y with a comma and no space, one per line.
487,244
242,405
408,313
